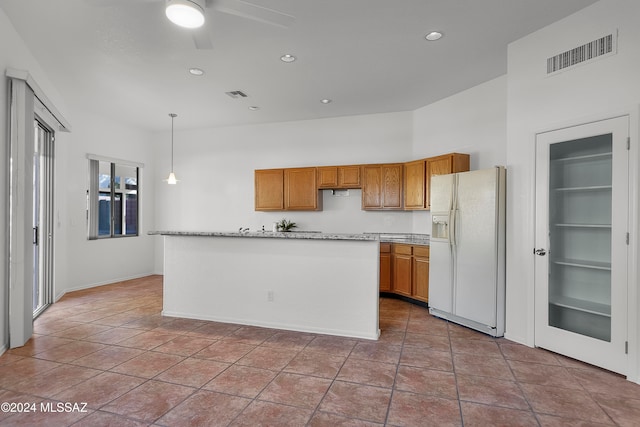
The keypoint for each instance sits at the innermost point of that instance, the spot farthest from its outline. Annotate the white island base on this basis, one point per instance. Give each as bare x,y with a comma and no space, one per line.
317,284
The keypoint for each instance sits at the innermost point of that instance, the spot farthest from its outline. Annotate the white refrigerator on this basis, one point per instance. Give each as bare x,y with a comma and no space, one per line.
467,254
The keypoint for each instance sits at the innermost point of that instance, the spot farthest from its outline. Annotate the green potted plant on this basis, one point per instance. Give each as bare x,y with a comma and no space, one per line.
286,225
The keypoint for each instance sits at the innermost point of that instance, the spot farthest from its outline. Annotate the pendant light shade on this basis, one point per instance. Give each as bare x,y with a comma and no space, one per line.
172,176
185,13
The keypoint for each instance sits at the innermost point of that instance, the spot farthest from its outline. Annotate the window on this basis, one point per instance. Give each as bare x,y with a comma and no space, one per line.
114,191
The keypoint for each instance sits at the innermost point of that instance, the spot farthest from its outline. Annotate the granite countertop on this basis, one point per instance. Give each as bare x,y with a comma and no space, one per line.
408,238
309,235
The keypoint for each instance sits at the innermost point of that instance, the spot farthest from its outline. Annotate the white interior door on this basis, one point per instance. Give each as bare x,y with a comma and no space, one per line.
582,207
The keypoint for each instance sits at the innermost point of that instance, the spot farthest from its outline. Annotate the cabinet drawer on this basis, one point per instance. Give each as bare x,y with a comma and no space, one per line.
421,251
385,248
399,248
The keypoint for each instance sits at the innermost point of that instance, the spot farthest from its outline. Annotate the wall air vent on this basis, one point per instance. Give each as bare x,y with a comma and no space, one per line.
235,94
599,48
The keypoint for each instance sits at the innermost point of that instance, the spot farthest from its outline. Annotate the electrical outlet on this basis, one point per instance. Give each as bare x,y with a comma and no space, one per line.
270,296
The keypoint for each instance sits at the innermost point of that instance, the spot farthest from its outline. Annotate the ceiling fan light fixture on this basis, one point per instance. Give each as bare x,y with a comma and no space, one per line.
288,58
433,36
185,13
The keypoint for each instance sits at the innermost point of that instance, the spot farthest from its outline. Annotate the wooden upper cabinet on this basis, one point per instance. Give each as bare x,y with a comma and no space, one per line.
269,189
301,190
415,185
339,177
382,186
372,187
327,177
442,165
349,177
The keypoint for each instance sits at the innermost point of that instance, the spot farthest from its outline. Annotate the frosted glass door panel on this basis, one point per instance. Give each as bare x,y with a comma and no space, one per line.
580,236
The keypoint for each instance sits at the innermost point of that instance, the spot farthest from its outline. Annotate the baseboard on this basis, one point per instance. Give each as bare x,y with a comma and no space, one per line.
403,298
106,282
3,349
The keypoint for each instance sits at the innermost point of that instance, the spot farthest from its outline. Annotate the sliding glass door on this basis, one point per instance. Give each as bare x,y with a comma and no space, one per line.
43,226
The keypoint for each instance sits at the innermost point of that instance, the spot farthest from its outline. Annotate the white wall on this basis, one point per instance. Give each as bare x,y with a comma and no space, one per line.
78,262
600,89
472,122
94,262
13,54
215,168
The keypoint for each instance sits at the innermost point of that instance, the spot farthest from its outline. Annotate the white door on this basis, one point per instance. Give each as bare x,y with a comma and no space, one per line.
582,205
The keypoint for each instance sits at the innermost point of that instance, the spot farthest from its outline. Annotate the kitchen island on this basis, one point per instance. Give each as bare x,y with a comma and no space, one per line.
302,281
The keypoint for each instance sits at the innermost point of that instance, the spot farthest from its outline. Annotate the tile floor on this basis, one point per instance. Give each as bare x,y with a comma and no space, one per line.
110,347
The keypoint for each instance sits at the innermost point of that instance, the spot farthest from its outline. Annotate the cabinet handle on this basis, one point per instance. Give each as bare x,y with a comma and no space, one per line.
540,252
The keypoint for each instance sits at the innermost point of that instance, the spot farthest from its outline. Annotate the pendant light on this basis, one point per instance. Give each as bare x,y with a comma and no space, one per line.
172,176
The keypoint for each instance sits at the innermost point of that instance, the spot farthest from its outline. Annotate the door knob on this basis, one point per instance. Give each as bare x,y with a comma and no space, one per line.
540,252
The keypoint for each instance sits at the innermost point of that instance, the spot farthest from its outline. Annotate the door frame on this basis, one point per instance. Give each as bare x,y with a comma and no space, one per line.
26,100
632,303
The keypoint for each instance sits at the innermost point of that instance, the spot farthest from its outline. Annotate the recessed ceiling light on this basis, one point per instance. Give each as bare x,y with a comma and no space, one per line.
433,36
326,101
196,71
254,108
287,58
185,13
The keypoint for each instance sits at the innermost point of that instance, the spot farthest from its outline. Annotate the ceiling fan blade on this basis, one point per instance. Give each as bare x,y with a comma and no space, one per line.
202,38
252,11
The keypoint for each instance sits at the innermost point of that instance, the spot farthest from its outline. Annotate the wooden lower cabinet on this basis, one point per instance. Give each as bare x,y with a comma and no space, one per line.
409,270
420,273
402,261
385,267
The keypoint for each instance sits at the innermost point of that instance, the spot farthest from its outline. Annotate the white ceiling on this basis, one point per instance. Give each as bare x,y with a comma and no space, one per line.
124,59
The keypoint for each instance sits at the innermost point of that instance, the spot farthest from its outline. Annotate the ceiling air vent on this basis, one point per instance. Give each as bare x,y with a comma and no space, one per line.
598,48
235,94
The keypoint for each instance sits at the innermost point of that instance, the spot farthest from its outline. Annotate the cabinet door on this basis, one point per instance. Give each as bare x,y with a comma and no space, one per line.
328,177
339,177
349,176
300,189
442,165
414,185
420,289
582,184
385,271
392,186
269,190
402,268
372,187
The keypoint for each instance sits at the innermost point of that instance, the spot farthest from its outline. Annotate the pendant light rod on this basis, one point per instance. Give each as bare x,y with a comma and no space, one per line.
172,177
173,116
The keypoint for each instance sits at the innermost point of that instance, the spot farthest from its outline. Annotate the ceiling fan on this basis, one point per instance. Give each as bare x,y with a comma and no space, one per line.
201,33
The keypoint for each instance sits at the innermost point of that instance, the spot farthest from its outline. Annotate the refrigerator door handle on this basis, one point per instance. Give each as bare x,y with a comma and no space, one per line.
452,214
452,228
